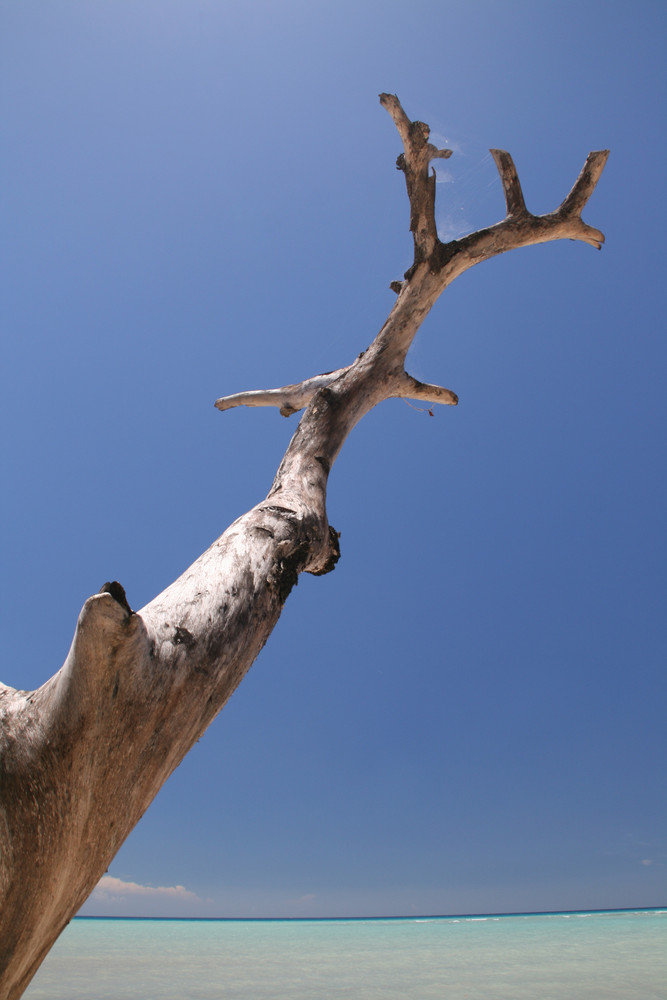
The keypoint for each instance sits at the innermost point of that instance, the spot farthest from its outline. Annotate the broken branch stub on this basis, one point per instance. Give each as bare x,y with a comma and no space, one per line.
82,757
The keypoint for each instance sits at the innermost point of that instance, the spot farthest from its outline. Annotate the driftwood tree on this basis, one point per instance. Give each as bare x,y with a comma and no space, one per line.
82,757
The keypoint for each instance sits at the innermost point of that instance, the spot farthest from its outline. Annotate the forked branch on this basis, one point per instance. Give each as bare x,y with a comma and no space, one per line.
381,368
566,220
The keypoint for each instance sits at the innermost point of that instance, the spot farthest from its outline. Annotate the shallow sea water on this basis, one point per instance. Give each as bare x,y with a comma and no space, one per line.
615,955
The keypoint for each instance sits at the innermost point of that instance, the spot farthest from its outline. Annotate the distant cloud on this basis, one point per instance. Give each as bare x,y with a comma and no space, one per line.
110,888
647,861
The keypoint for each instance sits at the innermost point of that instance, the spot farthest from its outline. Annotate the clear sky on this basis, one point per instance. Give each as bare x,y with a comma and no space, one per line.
200,197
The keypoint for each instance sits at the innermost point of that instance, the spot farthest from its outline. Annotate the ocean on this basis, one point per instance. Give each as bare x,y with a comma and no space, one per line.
611,955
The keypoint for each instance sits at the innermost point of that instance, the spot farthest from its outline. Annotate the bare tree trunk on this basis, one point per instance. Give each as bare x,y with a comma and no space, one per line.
82,757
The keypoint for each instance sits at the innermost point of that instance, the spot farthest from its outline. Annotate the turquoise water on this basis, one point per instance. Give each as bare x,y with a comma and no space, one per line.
617,954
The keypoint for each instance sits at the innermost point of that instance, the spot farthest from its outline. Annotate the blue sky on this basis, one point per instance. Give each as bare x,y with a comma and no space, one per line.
200,198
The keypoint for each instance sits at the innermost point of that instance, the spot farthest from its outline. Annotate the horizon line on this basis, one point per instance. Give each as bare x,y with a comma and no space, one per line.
404,916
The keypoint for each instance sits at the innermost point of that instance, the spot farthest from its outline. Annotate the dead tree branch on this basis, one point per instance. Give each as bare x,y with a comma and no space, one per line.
415,162
82,757
289,398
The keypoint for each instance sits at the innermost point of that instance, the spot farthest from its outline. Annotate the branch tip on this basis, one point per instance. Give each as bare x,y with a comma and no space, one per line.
585,183
439,154
412,388
391,103
288,399
511,184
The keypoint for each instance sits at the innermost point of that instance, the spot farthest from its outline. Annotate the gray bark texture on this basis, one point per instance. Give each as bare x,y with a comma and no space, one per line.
82,757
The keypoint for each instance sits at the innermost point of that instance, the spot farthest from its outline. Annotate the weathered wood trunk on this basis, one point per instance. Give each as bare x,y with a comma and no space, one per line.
82,757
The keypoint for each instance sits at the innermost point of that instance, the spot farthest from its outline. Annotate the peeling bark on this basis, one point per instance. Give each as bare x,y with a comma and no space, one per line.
82,757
